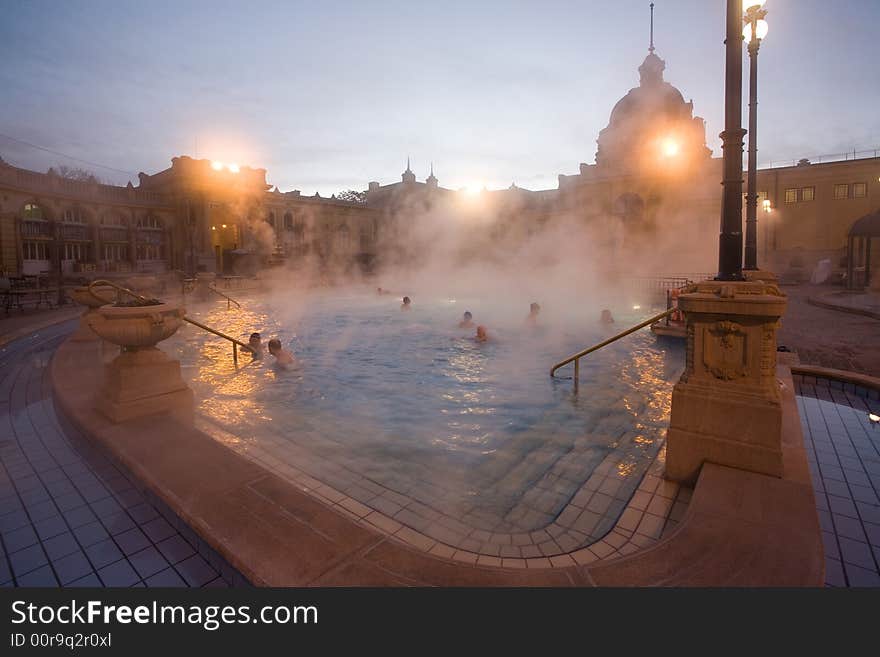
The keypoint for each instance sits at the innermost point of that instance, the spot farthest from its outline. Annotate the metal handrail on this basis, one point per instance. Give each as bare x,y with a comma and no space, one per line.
576,357
225,296
145,301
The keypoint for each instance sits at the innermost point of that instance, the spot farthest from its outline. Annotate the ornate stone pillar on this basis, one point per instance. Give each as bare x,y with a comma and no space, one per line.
726,408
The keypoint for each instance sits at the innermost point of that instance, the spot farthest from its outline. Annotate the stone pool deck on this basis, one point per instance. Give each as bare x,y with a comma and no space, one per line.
843,450
285,529
69,516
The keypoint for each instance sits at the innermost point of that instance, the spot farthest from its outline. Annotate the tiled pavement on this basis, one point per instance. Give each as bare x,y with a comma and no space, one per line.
843,448
68,515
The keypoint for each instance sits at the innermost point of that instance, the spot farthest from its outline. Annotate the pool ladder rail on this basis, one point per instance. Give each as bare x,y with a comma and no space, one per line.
146,301
575,358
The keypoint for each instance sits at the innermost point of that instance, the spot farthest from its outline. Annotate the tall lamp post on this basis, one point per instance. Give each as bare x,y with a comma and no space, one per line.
730,241
755,29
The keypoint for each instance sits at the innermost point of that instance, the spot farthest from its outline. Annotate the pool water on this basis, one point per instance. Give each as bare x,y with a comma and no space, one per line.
404,409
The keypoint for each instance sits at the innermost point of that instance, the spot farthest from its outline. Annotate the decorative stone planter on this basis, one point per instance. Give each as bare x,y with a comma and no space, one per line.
142,379
93,299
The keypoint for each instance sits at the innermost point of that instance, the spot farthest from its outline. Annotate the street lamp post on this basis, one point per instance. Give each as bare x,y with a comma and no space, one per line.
755,29
730,241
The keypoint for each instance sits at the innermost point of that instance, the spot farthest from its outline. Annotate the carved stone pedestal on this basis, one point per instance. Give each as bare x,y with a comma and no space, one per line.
144,382
755,275
726,408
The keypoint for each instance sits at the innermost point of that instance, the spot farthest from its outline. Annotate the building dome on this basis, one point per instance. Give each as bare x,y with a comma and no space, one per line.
655,110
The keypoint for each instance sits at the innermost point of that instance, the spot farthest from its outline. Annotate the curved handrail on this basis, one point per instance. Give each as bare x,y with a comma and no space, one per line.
580,354
144,300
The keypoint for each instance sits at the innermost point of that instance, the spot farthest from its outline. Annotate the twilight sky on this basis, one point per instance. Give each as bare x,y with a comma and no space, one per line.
328,94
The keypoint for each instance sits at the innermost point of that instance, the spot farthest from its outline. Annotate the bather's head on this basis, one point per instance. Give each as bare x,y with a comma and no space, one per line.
274,346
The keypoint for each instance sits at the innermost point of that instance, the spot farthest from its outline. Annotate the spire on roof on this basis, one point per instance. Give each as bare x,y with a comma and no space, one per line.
651,47
408,175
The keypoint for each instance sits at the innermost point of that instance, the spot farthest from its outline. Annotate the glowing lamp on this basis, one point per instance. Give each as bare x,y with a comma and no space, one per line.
765,204
224,226
760,30
213,227
670,148
217,166
873,418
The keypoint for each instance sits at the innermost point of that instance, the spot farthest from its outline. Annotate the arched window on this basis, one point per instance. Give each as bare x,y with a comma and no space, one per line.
33,212
288,221
150,221
114,220
270,219
343,239
73,216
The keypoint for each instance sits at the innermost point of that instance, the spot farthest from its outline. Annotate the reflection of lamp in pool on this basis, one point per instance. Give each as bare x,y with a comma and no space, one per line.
874,419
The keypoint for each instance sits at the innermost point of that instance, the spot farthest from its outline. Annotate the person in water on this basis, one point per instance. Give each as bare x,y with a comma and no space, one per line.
482,334
406,304
534,309
283,358
606,317
468,320
255,345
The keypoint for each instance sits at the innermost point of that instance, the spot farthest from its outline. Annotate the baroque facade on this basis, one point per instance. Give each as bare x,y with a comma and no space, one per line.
654,188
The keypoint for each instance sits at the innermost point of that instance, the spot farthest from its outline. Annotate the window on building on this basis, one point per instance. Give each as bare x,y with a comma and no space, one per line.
791,195
114,220
33,211
841,191
288,221
149,252
75,251
35,251
860,190
115,252
270,219
808,193
73,216
149,222
762,196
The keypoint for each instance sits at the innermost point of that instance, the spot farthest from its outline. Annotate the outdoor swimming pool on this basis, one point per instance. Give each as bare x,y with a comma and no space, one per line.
411,416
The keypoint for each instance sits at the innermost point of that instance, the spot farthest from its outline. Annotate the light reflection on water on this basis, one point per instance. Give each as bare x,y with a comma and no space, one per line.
415,404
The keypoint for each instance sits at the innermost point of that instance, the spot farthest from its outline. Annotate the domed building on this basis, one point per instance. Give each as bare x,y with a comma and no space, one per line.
652,126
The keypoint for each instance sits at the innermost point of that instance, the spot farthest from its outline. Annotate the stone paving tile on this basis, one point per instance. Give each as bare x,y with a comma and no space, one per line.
67,513
847,451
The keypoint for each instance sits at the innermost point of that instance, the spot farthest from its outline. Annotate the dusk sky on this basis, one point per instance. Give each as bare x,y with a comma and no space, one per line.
328,95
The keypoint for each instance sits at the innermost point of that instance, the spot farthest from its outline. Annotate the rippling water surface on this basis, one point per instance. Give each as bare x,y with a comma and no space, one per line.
416,405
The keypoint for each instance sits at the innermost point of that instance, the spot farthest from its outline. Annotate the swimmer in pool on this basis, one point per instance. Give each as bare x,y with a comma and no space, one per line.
406,304
283,358
532,317
482,334
467,322
255,345
606,317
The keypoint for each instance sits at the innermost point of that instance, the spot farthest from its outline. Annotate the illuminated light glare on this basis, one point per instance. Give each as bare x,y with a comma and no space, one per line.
213,227
224,226
637,307
766,205
873,417
233,167
217,166
670,148
761,31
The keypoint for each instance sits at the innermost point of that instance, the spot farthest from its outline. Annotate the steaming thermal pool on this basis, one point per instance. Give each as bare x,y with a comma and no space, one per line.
408,414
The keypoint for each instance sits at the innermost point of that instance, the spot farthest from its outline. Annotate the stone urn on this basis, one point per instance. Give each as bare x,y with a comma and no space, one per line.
142,379
92,299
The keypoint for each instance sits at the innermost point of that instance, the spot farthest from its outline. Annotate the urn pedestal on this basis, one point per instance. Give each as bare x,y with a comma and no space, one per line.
727,407
142,379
